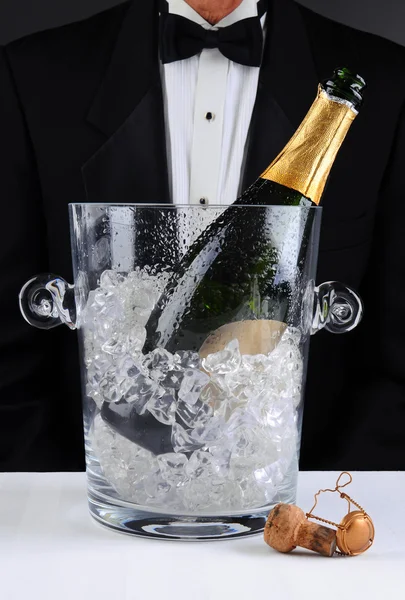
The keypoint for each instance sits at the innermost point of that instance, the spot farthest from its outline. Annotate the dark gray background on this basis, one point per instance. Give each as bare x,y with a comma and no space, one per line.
20,17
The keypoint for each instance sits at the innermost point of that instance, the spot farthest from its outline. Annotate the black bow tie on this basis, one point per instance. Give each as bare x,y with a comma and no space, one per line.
181,38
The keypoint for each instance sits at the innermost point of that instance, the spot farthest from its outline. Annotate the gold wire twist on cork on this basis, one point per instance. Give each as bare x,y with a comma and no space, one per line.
355,533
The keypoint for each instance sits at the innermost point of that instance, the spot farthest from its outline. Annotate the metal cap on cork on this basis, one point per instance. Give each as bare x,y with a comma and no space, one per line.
355,534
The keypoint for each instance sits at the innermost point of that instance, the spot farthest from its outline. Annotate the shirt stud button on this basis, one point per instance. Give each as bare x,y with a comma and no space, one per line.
203,200
209,116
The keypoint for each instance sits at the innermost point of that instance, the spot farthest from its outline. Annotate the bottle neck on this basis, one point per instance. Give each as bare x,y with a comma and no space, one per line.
305,162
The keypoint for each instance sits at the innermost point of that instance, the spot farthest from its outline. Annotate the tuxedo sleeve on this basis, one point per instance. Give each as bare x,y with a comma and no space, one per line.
378,398
23,411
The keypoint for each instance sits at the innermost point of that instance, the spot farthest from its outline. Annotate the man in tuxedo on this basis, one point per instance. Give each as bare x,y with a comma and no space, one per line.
123,107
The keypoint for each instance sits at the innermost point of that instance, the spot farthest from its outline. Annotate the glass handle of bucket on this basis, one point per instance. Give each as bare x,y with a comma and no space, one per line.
337,308
47,301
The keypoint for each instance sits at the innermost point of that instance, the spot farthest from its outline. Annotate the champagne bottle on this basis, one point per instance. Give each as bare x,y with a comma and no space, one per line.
231,270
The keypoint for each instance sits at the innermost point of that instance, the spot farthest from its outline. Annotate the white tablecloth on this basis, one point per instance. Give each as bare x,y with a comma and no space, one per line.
50,549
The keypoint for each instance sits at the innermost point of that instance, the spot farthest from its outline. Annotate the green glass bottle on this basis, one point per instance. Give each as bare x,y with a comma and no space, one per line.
232,268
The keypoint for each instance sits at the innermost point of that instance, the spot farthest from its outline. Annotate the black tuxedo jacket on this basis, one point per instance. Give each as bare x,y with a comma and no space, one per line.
81,119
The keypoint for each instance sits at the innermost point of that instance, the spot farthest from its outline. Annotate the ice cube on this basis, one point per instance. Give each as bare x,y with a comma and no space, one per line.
218,399
221,460
244,444
192,385
212,463
173,468
194,414
210,432
258,363
272,474
163,408
182,439
94,377
213,395
172,380
225,361
156,486
209,493
135,340
92,393
159,362
251,494
101,363
279,414
115,346
242,386
127,368
144,298
110,280
101,298
105,328
142,390
187,359
109,388
200,465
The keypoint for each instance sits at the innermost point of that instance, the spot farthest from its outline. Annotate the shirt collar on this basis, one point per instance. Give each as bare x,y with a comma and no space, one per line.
247,8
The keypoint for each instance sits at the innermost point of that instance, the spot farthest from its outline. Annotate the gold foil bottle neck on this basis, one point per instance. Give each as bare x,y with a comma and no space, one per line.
305,162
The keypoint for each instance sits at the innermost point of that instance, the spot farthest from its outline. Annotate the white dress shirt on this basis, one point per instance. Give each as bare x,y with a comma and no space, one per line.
206,155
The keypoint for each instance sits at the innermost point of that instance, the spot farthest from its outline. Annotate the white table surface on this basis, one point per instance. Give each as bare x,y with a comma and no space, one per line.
50,549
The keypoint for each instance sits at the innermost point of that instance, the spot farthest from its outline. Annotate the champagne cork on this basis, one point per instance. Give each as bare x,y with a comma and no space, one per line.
287,527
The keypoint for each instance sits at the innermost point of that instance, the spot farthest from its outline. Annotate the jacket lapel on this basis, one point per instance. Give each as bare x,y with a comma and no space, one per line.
287,87
131,166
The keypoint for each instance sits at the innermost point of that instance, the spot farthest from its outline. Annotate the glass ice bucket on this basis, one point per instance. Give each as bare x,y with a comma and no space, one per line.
197,443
